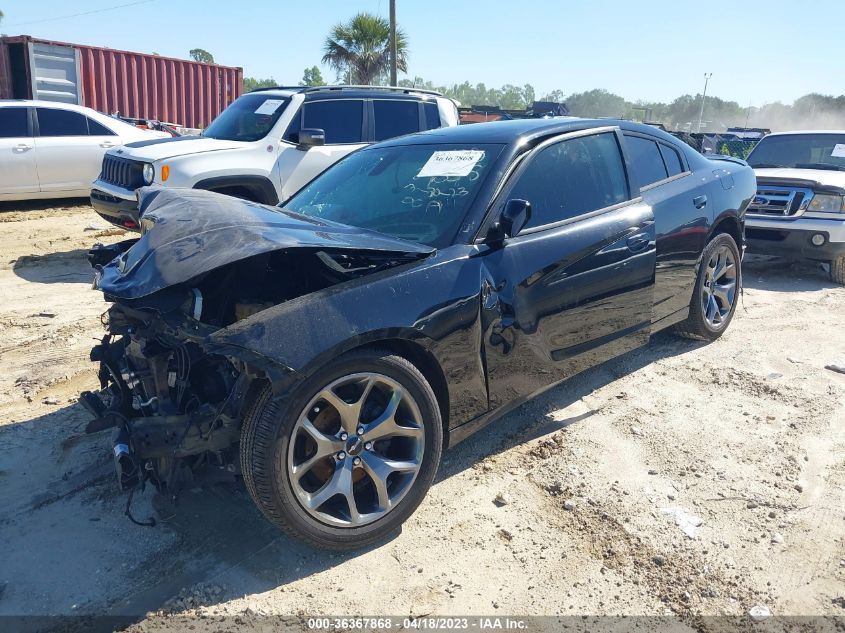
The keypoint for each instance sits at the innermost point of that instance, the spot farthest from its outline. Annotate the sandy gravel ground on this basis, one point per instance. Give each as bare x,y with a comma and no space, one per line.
679,479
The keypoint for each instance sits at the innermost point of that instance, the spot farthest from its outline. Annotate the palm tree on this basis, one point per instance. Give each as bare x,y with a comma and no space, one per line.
359,50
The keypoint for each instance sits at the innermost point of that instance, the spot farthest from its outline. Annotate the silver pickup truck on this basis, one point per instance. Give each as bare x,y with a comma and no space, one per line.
799,209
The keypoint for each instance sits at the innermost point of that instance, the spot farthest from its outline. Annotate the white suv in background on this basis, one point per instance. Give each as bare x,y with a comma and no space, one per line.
54,150
267,144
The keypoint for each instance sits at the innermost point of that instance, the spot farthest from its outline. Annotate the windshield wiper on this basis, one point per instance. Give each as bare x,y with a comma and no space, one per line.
819,166
764,165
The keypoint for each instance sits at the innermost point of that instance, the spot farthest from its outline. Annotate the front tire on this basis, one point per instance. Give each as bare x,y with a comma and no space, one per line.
837,270
716,290
347,456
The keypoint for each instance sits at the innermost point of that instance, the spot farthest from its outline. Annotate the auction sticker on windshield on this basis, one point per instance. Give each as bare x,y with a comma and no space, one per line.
269,106
838,150
451,163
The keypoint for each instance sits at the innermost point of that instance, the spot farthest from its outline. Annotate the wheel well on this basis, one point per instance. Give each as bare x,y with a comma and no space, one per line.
429,368
249,187
730,226
236,192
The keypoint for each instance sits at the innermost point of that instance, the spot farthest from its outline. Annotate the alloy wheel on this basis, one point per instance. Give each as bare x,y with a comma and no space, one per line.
718,288
356,450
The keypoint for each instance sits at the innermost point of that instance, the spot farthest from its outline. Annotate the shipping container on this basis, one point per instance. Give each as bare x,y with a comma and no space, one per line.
136,85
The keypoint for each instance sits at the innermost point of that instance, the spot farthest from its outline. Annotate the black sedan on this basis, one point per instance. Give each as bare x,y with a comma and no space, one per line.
330,349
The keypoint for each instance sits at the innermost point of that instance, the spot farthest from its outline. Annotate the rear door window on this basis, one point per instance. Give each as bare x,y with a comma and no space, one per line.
53,122
647,161
14,122
432,116
98,129
573,177
395,118
672,160
341,119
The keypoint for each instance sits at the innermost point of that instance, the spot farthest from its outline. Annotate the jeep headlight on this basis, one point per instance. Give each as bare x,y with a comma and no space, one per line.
149,174
827,203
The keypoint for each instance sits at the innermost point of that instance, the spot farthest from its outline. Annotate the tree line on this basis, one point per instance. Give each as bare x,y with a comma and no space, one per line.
358,52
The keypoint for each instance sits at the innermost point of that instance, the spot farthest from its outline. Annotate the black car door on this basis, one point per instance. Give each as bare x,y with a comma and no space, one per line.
681,218
575,287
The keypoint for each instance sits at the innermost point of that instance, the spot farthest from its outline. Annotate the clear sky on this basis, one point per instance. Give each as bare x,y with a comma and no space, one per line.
758,50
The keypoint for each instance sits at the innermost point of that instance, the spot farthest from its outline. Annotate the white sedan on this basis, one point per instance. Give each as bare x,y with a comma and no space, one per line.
55,150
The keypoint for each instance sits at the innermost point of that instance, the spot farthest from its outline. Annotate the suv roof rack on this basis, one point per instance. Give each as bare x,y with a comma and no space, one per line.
350,87
359,87
297,88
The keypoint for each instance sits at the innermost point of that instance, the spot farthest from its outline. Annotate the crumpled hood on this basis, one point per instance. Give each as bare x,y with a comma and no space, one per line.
189,232
820,176
161,148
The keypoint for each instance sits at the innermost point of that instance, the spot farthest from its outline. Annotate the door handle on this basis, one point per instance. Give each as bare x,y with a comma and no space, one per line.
699,201
22,147
638,242
107,144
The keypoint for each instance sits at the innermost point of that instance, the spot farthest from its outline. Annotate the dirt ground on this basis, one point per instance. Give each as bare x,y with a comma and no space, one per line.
680,479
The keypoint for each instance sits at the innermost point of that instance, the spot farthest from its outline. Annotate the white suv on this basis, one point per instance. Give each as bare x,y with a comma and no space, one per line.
267,144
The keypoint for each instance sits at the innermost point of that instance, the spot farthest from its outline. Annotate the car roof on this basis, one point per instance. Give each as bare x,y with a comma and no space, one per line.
43,103
520,131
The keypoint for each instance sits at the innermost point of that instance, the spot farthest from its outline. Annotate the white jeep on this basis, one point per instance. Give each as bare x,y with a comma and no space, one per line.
799,209
267,144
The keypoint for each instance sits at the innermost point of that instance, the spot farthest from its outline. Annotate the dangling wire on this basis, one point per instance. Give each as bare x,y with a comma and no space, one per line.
151,522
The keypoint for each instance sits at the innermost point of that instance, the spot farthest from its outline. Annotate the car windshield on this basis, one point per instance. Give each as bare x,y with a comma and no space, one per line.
415,192
802,151
249,118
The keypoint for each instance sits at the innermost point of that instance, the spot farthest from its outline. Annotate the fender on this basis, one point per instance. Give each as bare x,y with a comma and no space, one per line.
260,186
300,335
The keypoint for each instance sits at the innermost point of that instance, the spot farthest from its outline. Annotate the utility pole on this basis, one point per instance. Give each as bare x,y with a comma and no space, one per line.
393,79
747,115
703,98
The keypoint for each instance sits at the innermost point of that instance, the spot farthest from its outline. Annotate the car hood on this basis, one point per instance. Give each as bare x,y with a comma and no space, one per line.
161,148
829,178
188,232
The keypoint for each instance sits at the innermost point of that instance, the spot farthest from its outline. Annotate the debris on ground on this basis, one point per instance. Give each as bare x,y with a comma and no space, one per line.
837,366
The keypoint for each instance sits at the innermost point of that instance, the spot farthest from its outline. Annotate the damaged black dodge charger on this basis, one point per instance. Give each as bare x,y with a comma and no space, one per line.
328,350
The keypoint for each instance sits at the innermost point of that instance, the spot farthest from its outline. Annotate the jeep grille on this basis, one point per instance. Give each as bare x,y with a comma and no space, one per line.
122,172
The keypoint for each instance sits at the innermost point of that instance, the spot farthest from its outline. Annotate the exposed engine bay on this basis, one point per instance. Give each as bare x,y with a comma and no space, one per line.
176,407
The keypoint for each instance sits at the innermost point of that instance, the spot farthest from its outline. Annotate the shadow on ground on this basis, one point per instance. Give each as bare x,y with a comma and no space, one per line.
58,267
43,205
783,275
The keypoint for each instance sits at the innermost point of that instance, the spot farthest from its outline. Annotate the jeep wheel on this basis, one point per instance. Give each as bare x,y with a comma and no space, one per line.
716,289
837,270
344,459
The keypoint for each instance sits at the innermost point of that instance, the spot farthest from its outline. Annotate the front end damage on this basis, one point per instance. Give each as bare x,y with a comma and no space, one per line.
173,397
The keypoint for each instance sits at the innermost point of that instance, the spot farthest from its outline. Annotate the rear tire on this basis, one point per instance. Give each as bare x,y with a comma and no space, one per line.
717,287
347,456
837,270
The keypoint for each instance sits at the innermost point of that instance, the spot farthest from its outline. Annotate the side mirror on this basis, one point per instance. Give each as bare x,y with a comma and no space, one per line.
515,216
311,137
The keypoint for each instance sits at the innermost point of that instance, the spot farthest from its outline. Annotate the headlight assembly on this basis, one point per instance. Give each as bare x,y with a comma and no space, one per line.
827,203
149,173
